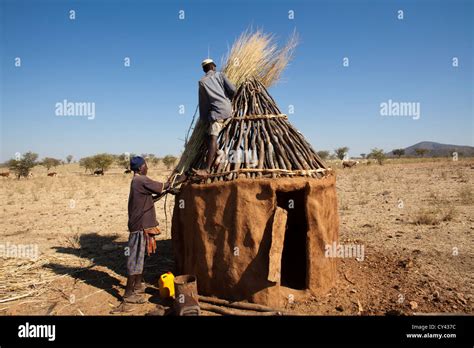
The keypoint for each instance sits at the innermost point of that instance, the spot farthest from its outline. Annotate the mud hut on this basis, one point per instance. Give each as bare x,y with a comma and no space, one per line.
257,227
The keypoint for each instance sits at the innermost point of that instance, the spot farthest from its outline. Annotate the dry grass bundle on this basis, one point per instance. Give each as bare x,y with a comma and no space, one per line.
21,278
256,55
191,150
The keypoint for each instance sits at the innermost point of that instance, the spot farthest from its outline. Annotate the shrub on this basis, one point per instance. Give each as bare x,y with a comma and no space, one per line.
421,152
398,152
323,154
88,163
22,167
341,152
378,155
465,194
169,161
123,160
49,162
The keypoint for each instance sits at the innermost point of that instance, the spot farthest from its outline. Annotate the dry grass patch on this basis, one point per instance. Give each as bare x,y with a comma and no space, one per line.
363,199
434,216
461,175
437,199
343,205
90,194
35,195
466,195
69,194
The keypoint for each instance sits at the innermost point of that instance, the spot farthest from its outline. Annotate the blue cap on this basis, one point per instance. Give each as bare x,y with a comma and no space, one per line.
136,162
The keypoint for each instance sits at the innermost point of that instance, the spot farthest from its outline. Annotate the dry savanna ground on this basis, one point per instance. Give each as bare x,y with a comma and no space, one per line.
414,219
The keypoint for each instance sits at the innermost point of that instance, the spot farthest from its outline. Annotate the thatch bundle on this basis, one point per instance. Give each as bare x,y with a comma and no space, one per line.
256,55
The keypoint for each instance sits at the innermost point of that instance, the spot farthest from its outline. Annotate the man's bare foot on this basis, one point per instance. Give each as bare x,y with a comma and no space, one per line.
219,157
201,172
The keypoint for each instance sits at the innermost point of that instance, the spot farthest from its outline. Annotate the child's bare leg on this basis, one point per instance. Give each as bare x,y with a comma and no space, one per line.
130,295
139,287
130,286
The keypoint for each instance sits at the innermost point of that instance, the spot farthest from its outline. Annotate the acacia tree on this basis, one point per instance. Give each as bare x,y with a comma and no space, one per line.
103,161
421,152
22,167
88,163
341,152
50,162
399,152
69,159
378,155
123,160
323,154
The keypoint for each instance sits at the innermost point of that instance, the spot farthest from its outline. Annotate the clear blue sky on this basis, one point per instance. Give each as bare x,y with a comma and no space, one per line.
137,108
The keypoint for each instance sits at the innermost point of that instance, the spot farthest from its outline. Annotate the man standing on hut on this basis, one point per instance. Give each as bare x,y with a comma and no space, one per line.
215,95
142,225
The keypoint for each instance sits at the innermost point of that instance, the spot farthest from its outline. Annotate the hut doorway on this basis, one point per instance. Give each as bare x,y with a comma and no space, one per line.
294,253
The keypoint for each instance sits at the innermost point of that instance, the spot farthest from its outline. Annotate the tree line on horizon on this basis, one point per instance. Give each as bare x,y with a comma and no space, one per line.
377,154
23,165
103,161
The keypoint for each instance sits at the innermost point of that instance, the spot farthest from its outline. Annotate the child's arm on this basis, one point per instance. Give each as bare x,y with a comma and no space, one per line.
167,188
154,187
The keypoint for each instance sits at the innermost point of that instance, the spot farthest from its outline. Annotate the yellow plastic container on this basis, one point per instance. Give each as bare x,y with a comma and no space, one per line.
166,285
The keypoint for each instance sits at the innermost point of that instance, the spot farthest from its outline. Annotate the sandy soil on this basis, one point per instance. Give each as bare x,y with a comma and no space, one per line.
414,219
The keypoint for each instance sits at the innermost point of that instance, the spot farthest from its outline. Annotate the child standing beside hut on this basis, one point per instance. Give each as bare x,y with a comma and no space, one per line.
142,225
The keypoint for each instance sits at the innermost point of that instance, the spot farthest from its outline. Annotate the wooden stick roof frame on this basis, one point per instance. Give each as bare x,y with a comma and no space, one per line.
257,141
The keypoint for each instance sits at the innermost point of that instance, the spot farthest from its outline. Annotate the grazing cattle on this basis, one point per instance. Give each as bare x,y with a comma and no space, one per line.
349,164
99,172
127,171
5,174
52,174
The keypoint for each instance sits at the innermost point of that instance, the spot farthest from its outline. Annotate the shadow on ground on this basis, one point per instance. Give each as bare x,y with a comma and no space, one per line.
107,253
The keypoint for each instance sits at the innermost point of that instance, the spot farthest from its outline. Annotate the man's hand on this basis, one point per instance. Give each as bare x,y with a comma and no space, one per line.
180,179
201,172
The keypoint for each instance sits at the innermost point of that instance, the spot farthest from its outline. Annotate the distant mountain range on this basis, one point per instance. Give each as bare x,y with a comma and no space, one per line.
438,150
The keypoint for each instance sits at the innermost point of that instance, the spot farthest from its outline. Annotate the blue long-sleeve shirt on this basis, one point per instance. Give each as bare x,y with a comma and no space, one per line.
215,93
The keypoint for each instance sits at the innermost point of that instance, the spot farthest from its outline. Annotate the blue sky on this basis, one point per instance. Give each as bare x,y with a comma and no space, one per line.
137,107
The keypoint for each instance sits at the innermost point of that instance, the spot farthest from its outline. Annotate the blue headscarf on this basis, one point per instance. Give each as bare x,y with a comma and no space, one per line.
136,162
